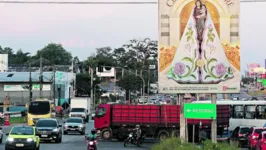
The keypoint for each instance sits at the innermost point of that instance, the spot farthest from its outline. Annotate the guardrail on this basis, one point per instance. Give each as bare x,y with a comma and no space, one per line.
15,114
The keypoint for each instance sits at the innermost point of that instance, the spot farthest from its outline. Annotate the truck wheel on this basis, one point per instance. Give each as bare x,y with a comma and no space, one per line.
163,134
175,133
106,134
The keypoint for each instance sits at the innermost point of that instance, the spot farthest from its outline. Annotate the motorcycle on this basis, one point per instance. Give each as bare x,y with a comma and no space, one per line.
91,143
132,139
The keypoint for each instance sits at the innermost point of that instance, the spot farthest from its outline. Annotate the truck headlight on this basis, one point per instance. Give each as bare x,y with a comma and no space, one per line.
10,139
69,115
29,139
55,130
81,126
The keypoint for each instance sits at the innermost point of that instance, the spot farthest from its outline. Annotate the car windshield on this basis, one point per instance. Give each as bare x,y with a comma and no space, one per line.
244,130
77,110
46,123
74,120
39,107
22,131
258,131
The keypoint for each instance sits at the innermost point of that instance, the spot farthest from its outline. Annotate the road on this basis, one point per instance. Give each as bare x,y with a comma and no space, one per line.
76,141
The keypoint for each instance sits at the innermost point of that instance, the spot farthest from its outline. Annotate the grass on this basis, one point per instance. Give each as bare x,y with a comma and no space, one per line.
175,144
256,93
14,120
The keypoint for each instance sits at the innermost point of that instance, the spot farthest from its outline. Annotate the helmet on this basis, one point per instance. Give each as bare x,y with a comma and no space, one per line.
137,126
93,131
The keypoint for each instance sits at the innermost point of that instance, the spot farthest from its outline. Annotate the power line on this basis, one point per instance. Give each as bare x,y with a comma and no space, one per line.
47,2
95,2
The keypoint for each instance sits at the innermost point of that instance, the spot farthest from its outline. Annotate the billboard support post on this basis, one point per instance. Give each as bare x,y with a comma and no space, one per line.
214,122
182,119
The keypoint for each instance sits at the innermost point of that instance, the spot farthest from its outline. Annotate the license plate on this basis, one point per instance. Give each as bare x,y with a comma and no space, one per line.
19,145
44,135
73,129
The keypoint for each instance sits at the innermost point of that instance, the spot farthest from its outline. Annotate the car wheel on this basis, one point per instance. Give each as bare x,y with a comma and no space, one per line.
1,140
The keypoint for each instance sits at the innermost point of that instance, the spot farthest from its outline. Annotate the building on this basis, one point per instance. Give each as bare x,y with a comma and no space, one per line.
14,86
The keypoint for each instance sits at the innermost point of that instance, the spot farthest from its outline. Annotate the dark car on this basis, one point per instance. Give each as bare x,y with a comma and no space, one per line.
240,136
75,124
49,130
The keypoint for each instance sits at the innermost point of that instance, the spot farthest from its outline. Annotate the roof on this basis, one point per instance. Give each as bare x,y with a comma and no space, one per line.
24,76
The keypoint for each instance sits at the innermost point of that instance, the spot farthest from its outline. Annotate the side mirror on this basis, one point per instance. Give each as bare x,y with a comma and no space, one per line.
7,134
59,125
1,128
64,122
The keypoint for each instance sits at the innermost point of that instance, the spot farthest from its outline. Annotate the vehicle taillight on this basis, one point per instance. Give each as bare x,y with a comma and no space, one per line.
253,137
264,142
240,135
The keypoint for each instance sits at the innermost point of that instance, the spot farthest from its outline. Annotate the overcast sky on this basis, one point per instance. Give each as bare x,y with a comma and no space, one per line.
82,28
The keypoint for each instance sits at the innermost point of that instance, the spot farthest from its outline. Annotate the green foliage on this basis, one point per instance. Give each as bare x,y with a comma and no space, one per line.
175,144
55,53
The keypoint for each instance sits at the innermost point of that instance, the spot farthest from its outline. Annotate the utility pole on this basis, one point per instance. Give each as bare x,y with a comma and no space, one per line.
93,101
41,78
182,120
54,83
143,88
30,83
214,122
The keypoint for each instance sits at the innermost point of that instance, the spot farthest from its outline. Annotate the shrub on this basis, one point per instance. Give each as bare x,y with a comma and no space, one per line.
175,144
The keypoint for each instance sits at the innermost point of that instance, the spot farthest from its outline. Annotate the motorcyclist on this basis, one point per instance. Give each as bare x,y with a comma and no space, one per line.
138,131
93,135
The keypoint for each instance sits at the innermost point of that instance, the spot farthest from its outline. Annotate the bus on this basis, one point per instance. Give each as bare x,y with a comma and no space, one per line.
40,108
244,113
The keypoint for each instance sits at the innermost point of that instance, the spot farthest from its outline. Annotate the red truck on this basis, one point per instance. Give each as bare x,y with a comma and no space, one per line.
156,121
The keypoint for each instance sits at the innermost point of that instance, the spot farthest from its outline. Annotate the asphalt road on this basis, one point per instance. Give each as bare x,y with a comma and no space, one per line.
76,141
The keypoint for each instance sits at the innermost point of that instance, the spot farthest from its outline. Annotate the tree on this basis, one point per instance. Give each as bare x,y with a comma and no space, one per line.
83,82
55,53
15,58
130,82
143,48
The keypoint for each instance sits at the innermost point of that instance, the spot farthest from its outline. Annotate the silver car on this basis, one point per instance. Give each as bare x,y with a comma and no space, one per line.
75,124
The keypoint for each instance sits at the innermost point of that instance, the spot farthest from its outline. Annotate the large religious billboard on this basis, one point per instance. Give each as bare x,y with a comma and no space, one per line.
199,46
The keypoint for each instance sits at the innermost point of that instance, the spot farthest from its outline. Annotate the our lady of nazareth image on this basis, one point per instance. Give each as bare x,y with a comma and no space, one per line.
200,57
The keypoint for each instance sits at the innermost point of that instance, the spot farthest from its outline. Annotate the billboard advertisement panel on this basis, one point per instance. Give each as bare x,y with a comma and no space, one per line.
199,46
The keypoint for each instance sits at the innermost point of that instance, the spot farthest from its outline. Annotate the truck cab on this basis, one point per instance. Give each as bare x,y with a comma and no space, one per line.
102,120
80,107
79,112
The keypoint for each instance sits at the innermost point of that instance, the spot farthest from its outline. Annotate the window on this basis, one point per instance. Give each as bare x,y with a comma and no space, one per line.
74,120
250,112
261,112
101,111
238,111
264,135
22,131
258,131
244,130
46,123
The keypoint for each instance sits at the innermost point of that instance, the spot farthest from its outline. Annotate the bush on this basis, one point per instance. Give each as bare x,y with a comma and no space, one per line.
175,144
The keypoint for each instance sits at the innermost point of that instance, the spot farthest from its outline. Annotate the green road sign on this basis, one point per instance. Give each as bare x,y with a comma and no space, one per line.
200,111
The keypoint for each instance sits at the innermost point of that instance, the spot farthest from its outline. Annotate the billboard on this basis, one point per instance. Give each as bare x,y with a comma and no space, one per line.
199,46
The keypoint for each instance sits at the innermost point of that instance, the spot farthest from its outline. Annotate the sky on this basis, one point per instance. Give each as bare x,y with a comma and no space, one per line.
82,28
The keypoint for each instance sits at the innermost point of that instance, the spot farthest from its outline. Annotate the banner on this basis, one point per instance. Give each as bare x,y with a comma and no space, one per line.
199,46
21,87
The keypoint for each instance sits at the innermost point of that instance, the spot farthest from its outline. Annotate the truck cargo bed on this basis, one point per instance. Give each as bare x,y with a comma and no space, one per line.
145,114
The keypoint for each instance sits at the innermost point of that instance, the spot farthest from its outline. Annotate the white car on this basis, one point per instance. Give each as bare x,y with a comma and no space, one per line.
1,135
